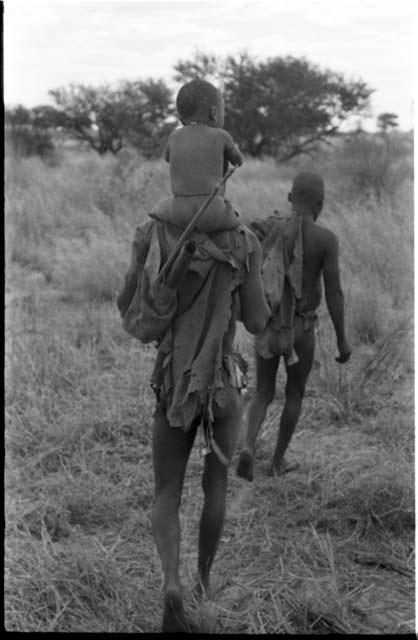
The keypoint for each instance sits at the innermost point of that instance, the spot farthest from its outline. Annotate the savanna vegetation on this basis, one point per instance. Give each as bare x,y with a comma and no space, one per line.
280,107
328,548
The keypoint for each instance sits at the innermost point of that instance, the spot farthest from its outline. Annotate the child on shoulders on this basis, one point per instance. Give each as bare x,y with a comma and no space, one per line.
199,154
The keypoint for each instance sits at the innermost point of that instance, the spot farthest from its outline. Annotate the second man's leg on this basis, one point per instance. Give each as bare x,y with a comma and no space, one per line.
297,376
266,371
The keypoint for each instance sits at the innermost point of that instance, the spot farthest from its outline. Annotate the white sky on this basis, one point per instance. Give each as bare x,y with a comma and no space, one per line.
52,44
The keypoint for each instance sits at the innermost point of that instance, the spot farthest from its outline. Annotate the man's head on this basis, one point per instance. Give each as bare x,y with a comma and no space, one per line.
307,195
199,101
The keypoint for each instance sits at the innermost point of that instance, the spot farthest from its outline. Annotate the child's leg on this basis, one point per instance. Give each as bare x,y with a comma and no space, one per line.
218,216
180,210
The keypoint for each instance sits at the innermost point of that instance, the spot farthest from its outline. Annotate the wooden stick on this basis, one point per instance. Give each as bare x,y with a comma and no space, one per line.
189,229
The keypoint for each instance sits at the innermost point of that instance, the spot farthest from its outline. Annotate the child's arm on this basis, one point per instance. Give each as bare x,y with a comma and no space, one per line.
167,149
167,152
334,296
231,152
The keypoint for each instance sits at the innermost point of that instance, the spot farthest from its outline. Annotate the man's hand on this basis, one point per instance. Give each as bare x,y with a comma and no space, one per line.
345,352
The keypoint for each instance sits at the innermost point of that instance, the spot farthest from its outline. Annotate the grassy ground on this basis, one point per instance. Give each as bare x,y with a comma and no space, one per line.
328,548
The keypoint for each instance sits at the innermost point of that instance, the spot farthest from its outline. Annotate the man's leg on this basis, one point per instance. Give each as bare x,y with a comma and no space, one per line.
171,450
214,484
266,371
297,376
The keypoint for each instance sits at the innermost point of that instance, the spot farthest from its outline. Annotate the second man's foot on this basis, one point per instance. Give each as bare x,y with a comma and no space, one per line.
209,590
282,467
245,466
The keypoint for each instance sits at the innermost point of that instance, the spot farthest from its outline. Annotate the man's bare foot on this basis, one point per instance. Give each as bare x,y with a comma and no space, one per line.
174,619
201,589
282,467
209,590
245,466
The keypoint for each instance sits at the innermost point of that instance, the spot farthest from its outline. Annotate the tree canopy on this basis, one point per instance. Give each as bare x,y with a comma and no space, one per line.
387,121
27,132
107,117
282,106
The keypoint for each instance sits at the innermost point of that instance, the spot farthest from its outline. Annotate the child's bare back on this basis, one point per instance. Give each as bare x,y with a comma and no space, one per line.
199,154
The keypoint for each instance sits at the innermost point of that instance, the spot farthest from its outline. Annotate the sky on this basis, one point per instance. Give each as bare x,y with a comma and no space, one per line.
53,44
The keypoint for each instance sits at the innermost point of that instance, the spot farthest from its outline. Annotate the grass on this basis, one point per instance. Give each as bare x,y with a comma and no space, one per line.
328,548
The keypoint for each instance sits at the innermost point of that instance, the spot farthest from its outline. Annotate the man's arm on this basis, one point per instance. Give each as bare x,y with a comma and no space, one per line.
334,296
139,251
255,311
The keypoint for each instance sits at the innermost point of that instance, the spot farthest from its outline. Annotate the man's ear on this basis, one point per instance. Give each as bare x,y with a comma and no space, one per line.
289,197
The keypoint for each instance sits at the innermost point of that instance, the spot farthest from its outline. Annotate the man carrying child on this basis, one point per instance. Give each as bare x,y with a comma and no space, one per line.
198,375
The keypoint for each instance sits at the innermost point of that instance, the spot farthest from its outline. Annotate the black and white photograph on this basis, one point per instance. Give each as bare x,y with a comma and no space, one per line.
209,317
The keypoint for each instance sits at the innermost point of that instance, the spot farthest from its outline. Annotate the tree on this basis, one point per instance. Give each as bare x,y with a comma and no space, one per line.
108,118
150,115
282,106
206,66
26,135
47,117
93,114
387,121
17,116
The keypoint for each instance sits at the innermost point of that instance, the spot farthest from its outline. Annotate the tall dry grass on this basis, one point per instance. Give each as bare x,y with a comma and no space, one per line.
329,549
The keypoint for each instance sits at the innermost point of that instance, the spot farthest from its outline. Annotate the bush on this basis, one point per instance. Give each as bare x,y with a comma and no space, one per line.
26,141
367,316
374,165
122,186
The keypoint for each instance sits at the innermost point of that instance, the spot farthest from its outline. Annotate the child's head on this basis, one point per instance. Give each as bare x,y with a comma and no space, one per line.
307,195
199,101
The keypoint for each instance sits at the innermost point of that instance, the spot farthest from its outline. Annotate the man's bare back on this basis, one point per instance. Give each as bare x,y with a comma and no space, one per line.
320,258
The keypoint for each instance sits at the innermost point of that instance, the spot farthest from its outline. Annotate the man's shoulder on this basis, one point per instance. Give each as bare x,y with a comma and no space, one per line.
246,245
273,224
262,227
324,233
236,245
245,232
143,230
320,239
239,237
